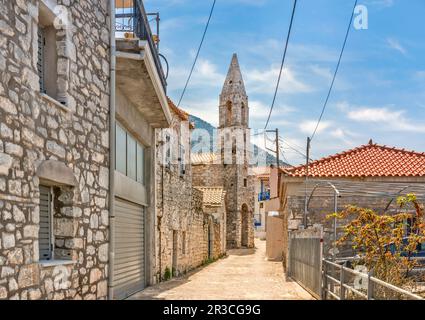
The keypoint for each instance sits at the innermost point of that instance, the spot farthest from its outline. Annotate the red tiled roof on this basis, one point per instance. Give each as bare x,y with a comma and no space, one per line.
370,160
183,115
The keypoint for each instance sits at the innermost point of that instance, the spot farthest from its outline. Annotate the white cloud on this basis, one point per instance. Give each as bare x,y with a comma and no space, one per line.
396,45
205,75
258,110
388,119
342,106
309,126
264,81
171,24
206,109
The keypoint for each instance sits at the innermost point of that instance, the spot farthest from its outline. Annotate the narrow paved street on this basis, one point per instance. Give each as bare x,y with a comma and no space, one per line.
244,274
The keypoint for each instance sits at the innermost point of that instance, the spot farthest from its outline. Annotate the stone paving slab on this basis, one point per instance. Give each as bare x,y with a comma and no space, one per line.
244,275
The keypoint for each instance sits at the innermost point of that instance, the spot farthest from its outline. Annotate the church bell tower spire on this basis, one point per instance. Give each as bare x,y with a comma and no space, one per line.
233,99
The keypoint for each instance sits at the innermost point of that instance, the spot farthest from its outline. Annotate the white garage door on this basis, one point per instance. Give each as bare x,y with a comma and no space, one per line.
129,265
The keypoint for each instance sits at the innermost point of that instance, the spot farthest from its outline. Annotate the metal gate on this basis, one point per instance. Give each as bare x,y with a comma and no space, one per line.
129,265
305,259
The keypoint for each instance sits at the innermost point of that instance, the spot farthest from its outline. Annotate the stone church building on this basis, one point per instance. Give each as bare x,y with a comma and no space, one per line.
228,167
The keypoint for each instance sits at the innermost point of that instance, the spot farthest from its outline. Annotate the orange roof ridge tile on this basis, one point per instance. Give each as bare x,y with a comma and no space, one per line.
367,160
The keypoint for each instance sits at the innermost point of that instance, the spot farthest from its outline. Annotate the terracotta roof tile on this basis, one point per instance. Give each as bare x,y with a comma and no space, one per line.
183,115
212,195
204,158
371,160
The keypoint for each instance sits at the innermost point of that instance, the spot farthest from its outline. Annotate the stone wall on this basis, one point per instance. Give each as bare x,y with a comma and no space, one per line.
218,221
182,225
33,129
231,177
208,175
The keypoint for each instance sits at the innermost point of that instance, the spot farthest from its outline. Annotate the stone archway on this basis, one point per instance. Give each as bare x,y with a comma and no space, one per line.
244,225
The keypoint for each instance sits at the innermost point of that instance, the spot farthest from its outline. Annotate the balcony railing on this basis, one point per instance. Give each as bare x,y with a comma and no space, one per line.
264,196
130,16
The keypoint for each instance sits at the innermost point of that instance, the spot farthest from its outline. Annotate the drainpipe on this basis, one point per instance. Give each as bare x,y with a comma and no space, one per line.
160,224
112,155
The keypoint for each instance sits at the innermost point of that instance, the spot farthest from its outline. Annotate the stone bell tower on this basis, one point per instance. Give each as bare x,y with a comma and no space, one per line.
233,99
234,148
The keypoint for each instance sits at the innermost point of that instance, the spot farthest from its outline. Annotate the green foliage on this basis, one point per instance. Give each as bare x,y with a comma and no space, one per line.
379,238
208,261
167,274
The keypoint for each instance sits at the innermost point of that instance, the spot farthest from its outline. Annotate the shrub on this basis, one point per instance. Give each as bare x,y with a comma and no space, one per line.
382,242
167,274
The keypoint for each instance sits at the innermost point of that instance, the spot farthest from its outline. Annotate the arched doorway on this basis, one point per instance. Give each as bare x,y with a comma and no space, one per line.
245,224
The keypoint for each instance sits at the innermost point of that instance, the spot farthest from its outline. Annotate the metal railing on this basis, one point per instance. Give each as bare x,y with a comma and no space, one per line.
338,284
134,19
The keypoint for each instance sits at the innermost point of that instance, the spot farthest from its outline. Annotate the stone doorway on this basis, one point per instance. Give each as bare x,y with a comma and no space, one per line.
244,226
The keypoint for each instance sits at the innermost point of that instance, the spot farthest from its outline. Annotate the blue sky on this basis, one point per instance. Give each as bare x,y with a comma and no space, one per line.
379,92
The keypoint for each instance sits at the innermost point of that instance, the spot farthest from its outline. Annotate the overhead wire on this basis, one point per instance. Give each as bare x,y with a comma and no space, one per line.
335,73
197,53
282,63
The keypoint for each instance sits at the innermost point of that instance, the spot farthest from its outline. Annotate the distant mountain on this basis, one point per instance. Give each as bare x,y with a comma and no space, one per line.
202,124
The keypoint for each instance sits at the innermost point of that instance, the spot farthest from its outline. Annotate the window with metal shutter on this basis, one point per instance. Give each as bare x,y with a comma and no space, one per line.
40,58
45,232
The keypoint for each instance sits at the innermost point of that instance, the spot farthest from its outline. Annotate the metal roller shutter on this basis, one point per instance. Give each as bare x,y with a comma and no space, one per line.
45,231
129,265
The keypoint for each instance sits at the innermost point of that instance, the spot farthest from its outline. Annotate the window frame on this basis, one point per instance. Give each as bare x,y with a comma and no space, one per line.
137,145
48,72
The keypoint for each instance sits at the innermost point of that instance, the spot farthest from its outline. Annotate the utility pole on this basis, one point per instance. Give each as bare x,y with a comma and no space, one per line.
278,162
307,163
276,132
277,150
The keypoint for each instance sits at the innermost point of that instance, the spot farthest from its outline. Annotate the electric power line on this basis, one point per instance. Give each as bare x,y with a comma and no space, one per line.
292,143
335,73
197,53
293,148
283,62
283,154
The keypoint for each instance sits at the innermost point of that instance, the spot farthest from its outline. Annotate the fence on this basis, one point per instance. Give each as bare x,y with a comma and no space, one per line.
342,283
305,259
131,16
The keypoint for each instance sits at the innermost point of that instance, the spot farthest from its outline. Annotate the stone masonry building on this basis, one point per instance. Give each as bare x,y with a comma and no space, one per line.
370,176
54,132
229,166
190,226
